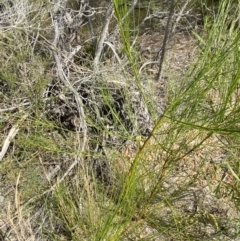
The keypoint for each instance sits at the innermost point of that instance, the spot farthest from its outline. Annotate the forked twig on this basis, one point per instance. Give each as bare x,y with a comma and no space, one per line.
179,16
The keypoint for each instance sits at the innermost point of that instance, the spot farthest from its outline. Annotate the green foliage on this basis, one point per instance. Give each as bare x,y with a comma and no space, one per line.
151,188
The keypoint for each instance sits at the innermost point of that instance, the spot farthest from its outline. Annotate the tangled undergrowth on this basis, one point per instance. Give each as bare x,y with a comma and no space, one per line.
119,121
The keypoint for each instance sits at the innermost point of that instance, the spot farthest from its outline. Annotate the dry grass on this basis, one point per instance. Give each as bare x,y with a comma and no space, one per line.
181,182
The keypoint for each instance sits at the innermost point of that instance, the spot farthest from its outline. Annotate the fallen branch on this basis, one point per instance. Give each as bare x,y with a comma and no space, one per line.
15,107
12,133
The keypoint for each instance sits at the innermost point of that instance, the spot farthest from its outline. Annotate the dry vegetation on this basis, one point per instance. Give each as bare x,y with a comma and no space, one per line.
119,121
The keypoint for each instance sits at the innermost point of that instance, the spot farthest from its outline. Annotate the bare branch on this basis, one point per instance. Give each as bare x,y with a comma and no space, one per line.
12,133
64,79
103,36
180,15
166,36
15,107
114,51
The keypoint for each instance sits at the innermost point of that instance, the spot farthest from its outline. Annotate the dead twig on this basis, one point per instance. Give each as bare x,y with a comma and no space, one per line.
169,32
179,16
12,133
165,40
15,107
103,36
83,125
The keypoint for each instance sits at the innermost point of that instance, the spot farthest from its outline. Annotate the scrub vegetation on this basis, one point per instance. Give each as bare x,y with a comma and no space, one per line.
119,120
